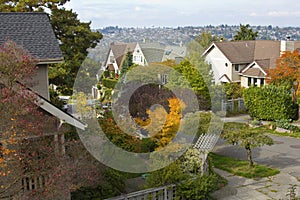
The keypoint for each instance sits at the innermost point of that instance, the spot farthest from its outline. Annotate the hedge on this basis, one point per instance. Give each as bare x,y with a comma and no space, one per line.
109,83
270,103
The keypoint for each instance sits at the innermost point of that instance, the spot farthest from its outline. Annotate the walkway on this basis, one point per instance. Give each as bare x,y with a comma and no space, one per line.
284,155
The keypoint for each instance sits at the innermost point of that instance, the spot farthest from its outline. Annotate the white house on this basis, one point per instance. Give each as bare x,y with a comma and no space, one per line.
142,54
245,62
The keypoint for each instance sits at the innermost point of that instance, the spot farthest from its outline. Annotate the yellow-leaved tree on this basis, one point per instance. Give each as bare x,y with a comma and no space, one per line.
162,126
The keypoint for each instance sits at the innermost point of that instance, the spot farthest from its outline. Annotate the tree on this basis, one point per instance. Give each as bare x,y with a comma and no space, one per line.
29,6
25,151
75,38
127,63
287,71
246,137
197,76
163,126
28,150
245,33
233,90
205,39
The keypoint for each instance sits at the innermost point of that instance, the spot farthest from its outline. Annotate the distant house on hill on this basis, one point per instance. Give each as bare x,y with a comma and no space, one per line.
142,54
245,62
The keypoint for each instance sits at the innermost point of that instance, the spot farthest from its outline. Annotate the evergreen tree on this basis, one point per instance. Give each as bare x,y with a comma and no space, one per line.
245,33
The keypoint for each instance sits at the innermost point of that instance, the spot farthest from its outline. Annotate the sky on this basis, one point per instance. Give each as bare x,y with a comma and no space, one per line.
174,13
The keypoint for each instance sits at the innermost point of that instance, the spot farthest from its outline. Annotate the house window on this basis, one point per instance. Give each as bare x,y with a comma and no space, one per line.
262,81
134,58
249,81
111,59
236,68
255,81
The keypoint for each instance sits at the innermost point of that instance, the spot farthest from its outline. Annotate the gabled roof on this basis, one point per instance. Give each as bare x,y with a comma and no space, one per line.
237,52
257,68
120,51
225,79
153,52
240,52
173,52
32,31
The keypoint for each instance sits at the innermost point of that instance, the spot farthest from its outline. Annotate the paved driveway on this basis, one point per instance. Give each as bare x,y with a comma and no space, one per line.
284,155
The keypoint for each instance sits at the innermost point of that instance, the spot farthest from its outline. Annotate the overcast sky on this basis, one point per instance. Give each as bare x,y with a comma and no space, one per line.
173,13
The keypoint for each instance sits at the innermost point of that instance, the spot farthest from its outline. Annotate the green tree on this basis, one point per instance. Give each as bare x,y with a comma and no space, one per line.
233,90
75,38
245,137
197,77
245,33
29,6
205,39
127,63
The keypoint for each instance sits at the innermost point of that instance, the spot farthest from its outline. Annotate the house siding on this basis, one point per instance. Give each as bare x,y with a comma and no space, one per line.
41,81
218,62
138,56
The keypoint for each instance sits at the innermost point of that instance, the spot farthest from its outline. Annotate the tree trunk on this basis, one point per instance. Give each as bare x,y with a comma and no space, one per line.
249,155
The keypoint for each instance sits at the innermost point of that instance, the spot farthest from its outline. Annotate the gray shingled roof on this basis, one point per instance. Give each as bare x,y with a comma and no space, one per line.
33,32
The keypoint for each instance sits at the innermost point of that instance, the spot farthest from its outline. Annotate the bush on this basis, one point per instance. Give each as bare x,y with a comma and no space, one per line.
270,103
109,83
286,124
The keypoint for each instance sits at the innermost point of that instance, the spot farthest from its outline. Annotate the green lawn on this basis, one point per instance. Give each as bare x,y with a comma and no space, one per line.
241,167
265,129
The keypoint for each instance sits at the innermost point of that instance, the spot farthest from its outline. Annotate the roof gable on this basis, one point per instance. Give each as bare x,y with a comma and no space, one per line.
237,52
256,69
33,32
120,50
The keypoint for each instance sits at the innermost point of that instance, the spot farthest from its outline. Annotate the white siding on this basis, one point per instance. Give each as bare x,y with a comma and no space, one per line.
138,56
218,61
113,61
244,82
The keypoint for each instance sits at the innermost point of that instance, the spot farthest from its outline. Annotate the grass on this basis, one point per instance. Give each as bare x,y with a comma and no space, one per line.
265,129
241,167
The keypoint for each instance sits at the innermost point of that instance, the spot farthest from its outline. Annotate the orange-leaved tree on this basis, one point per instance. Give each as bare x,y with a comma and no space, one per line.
287,71
163,126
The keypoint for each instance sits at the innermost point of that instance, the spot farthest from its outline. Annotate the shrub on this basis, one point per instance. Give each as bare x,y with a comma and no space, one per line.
270,103
283,123
109,83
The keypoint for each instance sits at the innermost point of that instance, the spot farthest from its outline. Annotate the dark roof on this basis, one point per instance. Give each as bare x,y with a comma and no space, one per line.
257,72
32,31
247,51
120,51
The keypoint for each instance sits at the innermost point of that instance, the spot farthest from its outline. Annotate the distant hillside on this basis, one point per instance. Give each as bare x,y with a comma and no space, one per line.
175,36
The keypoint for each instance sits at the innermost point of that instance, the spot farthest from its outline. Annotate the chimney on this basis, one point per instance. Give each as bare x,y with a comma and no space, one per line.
287,45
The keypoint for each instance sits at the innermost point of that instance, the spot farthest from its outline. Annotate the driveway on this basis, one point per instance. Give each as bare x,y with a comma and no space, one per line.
284,155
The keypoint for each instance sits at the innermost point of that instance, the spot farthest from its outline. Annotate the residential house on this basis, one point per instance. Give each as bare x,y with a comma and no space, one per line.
245,62
142,54
33,31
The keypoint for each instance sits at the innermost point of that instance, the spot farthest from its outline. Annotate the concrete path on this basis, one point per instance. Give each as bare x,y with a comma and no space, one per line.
284,155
